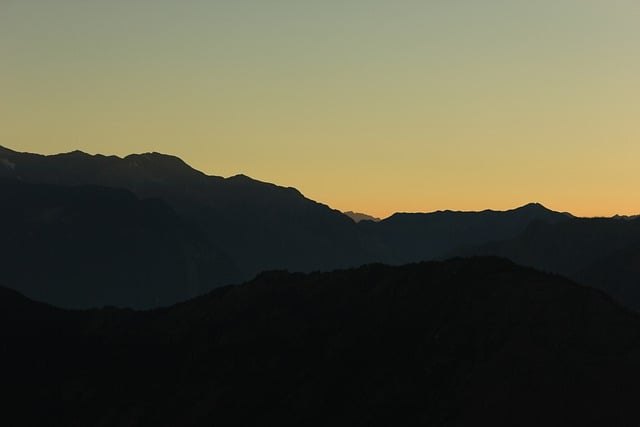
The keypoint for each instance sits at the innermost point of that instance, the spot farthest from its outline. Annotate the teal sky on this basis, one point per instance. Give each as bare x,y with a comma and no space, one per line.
374,106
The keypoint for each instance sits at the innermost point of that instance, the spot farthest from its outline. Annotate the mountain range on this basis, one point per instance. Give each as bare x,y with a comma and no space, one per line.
122,303
220,231
477,341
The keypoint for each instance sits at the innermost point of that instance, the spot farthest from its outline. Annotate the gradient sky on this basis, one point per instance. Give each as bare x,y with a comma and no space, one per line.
367,105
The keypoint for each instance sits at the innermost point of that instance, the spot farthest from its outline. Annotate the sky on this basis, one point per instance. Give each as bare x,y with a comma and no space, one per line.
366,105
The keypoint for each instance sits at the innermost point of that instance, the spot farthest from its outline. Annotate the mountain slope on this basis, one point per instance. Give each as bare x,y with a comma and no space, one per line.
92,246
464,342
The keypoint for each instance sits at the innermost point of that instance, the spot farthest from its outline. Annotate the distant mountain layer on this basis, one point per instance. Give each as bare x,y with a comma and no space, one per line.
464,342
357,216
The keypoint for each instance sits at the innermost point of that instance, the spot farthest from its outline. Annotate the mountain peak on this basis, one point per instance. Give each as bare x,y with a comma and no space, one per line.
156,157
75,154
534,205
240,177
540,208
161,162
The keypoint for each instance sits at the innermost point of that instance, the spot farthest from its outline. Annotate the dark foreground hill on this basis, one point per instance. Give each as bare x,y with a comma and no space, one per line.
89,246
479,341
